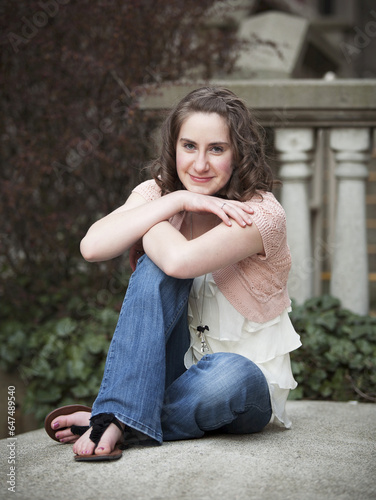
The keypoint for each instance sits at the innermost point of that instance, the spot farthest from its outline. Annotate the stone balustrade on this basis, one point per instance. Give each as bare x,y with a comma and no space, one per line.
299,112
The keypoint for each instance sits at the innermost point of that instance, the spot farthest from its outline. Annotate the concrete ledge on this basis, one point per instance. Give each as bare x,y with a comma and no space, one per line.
284,103
329,454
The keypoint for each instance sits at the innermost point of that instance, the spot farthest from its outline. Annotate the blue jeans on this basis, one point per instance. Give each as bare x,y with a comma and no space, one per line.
145,384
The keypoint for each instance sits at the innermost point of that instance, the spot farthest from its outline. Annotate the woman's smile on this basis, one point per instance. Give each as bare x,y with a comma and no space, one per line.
200,179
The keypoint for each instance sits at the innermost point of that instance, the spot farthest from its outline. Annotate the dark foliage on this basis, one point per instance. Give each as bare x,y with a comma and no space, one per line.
338,358
73,140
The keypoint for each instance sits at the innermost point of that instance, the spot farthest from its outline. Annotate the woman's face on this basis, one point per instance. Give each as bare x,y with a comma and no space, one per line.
204,153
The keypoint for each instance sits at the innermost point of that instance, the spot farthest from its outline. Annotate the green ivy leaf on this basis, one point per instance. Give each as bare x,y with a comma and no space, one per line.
328,320
65,327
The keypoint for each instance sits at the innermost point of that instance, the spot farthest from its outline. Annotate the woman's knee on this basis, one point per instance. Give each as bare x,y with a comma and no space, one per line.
229,365
229,374
148,279
151,289
148,269
155,278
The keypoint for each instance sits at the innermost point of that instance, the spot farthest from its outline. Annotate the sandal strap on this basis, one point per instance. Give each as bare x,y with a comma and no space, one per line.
79,430
100,423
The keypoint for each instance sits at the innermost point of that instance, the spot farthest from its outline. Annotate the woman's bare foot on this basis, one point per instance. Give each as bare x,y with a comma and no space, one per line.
85,446
81,418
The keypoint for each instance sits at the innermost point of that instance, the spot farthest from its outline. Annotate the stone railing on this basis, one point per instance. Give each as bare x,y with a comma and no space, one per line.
322,135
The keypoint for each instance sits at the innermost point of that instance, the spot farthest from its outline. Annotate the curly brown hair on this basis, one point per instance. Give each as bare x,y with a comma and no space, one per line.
251,173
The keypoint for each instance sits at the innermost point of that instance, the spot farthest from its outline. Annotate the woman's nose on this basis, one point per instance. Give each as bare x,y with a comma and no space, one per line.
201,163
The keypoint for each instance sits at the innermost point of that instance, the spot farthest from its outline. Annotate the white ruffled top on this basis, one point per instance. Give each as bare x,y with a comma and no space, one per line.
266,344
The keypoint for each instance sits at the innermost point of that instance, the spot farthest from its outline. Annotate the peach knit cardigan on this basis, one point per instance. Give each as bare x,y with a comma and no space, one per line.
257,285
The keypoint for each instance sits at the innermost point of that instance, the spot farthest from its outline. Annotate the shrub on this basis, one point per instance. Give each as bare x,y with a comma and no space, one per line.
337,360
60,361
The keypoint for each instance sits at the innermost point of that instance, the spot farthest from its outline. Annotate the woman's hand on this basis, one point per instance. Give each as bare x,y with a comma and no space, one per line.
226,210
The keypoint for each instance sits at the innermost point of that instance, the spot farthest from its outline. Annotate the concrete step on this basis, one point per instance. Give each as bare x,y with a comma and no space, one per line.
330,453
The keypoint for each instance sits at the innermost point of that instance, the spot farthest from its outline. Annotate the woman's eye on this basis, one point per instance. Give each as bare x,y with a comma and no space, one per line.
217,149
189,146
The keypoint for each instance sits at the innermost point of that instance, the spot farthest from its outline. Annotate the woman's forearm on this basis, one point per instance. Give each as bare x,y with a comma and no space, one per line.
117,232
215,249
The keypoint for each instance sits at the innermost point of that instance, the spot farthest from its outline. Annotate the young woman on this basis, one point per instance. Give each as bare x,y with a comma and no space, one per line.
203,338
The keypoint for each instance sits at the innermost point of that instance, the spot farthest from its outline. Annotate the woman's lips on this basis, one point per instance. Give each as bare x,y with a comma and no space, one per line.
200,179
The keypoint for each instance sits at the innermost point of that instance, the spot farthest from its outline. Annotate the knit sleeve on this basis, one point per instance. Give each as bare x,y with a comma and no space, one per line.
148,190
270,219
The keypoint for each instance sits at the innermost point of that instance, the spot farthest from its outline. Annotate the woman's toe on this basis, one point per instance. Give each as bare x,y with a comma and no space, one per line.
79,418
84,445
66,436
108,442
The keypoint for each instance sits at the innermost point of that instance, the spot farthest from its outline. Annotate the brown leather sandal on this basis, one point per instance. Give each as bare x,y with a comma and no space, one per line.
100,424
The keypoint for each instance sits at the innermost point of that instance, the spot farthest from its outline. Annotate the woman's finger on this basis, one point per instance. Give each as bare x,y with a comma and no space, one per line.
237,213
238,204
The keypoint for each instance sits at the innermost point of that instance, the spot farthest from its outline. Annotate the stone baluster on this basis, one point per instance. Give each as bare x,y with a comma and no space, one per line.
349,280
295,154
